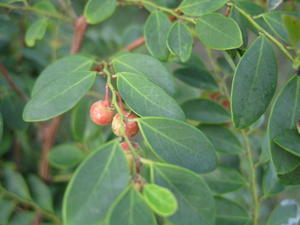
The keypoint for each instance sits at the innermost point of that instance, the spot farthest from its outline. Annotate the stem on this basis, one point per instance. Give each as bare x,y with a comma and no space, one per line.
252,180
263,31
36,10
164,9
120,111
12,83
138,42
31,204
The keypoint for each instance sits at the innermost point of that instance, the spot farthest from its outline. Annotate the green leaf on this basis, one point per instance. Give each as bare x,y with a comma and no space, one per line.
254,83
146,65
219,32
15,183
292,25
276,23
200,7
160,199
24,218
104,173
197,77
156,33
60,68
224,180
41,193
289,140
284,115
196,205
290,178
224,140
59,96
270,182
45,5
180,41
146,98
69,78
285,212
130,209
36,31
96,11
6,209
205,111
83,129
1,126
179,143
65,156
230,213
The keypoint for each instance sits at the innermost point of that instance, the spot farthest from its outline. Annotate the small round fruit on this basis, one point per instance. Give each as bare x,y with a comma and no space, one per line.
131,127
101,113
226,104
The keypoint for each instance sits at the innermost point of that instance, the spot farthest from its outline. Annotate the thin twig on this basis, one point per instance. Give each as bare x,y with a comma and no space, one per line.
36,10
138,42
12,83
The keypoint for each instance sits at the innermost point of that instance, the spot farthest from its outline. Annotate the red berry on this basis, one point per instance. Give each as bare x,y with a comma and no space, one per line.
131,127
101,113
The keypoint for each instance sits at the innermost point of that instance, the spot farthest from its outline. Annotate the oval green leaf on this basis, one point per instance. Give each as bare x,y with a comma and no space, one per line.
276,23
284,115
254,83
153,69
65,156
15,183
36,31
219,32
179,143
290,141
60,68
146,98
224,180
156,33
270,182
205,111
131,209
230,213
196,205
160,199
200,7
180,41
83,201
59,96
286,211
96,11
197,77
1,126
224,140
41,193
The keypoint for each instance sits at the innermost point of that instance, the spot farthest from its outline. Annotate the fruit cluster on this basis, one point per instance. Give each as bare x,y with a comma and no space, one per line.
102,113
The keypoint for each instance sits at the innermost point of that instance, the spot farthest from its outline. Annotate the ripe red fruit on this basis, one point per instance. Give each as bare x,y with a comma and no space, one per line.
101,113
131,127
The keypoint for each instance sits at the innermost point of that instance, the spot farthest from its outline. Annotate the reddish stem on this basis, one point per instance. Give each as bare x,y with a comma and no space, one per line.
121,104
107,100
138,42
